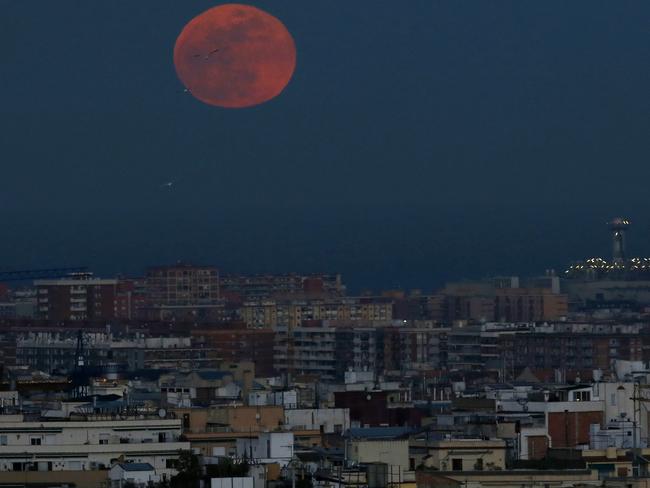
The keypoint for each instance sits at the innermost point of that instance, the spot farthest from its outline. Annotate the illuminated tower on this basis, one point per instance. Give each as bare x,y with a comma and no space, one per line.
618,227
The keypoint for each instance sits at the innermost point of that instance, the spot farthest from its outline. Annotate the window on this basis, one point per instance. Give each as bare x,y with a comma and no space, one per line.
457,464
3,440
36,441
582,396
478,466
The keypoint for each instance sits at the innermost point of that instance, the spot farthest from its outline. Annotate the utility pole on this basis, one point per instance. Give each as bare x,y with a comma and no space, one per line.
635,452
640,398
636,399
293,467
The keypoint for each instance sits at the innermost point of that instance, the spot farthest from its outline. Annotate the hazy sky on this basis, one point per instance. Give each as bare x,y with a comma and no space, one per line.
418,141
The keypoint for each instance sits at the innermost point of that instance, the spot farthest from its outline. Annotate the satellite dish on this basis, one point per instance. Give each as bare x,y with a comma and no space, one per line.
162,413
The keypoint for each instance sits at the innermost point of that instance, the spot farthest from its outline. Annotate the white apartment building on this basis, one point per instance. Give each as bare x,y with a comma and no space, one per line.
88,445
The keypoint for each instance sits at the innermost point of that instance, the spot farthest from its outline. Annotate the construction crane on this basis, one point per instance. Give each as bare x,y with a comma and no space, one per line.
36,274
80,376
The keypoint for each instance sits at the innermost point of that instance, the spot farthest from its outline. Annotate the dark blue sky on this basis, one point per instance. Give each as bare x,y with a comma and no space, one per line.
418,141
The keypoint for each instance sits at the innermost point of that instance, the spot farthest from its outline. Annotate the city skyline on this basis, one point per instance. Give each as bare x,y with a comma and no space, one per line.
400,152
332,244
364,268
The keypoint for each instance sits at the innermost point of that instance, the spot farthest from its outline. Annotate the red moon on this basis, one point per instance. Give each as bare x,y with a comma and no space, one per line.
235,56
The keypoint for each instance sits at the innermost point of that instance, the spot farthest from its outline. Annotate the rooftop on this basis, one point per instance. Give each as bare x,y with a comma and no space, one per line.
378,432
136,467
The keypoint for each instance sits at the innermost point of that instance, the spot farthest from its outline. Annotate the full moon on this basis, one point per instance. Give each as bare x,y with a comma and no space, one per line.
235,56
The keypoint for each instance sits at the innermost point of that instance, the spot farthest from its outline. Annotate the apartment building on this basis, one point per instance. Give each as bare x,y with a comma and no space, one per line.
79,297
327,351
260,287
414,346
292,313
239,344
49,352
503,301
573,350
88,445
330,348
181,284
529,305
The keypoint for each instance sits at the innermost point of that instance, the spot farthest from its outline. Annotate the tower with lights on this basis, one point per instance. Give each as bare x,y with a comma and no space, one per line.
618,227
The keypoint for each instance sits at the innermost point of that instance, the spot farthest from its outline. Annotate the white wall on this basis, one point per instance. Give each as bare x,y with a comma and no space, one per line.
527,432
178,397
359,376
287,399
332,419
512,406
117,474
393,453
246,482
86,445
90,433
89,457
272,447
617,401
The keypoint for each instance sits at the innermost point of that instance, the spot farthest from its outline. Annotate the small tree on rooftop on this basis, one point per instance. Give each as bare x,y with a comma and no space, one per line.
189,471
